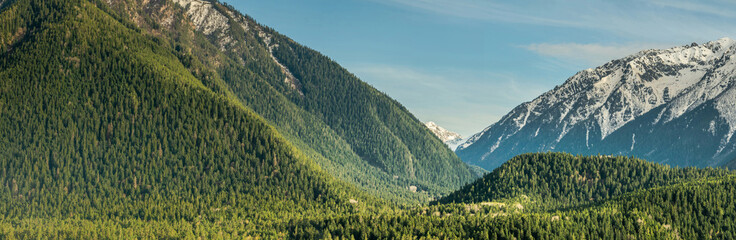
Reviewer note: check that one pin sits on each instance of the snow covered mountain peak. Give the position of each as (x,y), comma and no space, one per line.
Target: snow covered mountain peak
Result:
(595,103)
(452,139)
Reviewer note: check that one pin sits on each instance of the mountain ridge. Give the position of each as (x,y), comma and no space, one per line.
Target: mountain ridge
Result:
(586,114)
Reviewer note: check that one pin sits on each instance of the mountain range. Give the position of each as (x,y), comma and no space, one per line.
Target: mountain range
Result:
(185,119)
(673,106)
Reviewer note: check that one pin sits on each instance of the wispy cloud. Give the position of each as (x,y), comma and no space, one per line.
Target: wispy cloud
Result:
(718,8)
(698,21)
(480,10)
(623,22)
(589,54)
(496,53)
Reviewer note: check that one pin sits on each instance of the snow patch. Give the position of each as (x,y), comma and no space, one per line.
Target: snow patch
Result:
(633,141)
(726,106)
(495,146)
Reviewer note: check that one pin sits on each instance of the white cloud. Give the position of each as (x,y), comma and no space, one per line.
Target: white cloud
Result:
(718,8)
(590,54)
(480,10)
(630,19)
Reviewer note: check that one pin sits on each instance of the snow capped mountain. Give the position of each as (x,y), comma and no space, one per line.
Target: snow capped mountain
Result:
(452,139)
(647,105)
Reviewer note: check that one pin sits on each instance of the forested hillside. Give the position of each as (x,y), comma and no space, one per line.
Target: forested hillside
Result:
(561,179)
(694,210)
(100,123)
(379,129)
(560,196)
(346,126)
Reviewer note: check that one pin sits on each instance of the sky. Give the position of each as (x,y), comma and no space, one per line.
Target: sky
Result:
(464,64)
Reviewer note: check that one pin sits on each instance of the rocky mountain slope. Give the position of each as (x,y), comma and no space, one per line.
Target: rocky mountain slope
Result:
(451,139)
(672,106)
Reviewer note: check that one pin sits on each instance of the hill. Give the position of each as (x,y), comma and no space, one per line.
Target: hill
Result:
(560,196)
(349,128)
(560,179)
(103,125)
(693,210)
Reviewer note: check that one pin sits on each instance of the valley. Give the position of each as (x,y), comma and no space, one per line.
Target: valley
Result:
(187,119)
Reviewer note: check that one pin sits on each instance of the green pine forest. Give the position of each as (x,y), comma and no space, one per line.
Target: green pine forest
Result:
(337,120)
(116,126)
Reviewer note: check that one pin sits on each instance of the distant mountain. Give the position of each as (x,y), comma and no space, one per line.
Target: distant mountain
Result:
(451,139)
(672,106)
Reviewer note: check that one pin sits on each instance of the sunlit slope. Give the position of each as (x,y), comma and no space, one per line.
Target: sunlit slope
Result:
(100,122)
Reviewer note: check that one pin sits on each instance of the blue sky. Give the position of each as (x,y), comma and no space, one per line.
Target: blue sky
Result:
(466,63)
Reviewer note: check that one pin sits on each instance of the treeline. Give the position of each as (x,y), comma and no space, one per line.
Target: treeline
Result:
(560,179)
(560,196)
(695,210)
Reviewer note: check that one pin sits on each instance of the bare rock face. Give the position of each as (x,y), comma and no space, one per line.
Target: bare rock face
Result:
(228,30)
(219,24)
(213,22)
(673,106)
(204,16)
